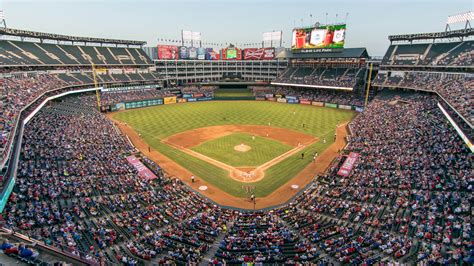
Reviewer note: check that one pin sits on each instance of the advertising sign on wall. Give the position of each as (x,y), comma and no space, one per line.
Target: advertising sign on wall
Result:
(346,107)
(167,52)
(304,101)
(259,53)
(169,100)
(231,53)
(192,53)
(144,103)
(211,54)
(183,52)
(201,53)
(292,101)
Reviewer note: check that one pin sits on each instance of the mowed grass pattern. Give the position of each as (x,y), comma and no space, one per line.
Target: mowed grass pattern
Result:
(156,123)
(262,149)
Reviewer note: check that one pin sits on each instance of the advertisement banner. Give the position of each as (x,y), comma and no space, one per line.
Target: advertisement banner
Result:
(204,99)
(211,54)
(167,52)
(192,53)
(291,97)
(169,100)
(118,107)
(201,53)
(129,70)
(260,98)
(348,164)
(101,71)
(346,107)
(191,100)
(269,95)
(181,100)
(304,101)
(259,53)
(332,105)
(198,95)
(278,95)
(187,96)
(231,53)
(144,103)
(271,99)
(281,100)
(143,171)
(292,101)
(359,109)
(319,37)
(318,104)
(183,52)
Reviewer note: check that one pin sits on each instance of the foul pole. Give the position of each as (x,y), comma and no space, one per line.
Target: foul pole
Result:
(368,84)
(96,84)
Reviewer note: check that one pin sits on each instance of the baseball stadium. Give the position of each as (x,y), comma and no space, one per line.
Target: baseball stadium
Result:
(301,147)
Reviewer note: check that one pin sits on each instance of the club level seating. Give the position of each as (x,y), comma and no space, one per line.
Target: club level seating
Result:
(322,76)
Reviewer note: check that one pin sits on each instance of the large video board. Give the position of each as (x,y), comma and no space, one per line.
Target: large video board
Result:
(318,38)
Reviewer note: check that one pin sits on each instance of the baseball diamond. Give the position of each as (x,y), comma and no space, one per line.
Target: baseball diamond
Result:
(325,141)
(203,142)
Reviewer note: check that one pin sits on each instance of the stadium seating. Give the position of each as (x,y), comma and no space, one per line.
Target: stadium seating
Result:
(111,214)
(17,53)
(322,76)
(430,54)
(456,88)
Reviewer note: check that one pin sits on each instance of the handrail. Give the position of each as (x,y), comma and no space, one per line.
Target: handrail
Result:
(53,249)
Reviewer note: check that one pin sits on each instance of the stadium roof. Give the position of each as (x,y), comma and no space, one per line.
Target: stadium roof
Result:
(59,37)
(432,35)
(345,53)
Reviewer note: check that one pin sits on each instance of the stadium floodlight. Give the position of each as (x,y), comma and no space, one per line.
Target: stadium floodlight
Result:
(3,22)
(272,36)
(191,36)
(460,18)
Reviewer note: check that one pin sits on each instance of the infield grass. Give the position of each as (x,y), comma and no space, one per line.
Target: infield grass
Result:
(156,123)
(262,149)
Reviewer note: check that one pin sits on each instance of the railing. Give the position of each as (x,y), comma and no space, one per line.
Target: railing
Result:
(77,259)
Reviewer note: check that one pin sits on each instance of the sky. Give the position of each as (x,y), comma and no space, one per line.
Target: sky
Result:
(369,22)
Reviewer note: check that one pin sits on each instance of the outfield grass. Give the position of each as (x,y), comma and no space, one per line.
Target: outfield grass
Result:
(156,123)
(262,149)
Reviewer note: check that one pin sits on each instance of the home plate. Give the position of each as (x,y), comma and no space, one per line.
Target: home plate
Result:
(203,188)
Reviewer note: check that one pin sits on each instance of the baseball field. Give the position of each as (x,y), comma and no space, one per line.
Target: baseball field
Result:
(234,145)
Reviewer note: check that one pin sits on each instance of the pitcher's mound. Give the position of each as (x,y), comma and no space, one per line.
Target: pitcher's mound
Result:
(242,148)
